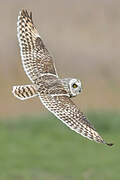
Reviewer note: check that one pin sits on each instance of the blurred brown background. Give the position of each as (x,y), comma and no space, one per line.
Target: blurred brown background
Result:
(84,39)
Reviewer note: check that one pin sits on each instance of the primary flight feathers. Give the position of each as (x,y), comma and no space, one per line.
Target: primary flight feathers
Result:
(54,93)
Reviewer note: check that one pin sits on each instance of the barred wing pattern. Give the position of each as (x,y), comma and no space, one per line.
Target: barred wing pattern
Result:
(40,69)
(35,57)
(65,110)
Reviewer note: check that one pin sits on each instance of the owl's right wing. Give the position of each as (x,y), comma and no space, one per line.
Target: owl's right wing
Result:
(36,59)
(65,110)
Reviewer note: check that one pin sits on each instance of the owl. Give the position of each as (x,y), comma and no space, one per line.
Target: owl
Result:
(54,93)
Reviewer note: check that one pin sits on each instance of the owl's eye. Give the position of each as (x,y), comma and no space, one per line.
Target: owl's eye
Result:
(74,85)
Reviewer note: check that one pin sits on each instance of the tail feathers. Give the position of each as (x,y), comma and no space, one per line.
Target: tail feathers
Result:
(24,92)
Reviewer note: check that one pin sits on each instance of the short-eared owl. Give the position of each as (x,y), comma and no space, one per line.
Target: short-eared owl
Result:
(54,93)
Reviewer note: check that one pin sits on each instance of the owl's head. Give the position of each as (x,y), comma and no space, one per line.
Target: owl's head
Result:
(72,86)
(75,87)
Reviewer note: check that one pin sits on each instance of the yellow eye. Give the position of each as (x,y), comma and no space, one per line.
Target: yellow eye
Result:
(74,85)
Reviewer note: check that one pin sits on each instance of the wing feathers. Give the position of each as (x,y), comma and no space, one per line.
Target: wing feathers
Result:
(35,57)
(39,67)
(65,110)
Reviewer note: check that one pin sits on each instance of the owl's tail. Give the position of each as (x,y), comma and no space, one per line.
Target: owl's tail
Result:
(24,92)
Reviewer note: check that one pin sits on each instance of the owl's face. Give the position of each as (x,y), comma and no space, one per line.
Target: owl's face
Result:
(75,87)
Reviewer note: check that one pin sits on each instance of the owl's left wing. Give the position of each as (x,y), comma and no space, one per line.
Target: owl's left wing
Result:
(65,110)
(36,59)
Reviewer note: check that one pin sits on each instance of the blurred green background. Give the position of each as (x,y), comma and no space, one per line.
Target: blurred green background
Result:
(84,39)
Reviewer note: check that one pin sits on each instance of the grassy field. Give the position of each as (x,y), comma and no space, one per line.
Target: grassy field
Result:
(42,148)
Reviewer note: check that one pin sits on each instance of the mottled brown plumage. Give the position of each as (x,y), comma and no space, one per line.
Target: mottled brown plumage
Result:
(53,92)
(35,57)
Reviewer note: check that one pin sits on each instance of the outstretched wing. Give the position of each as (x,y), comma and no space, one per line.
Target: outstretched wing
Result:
(65,110)
(35,57)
